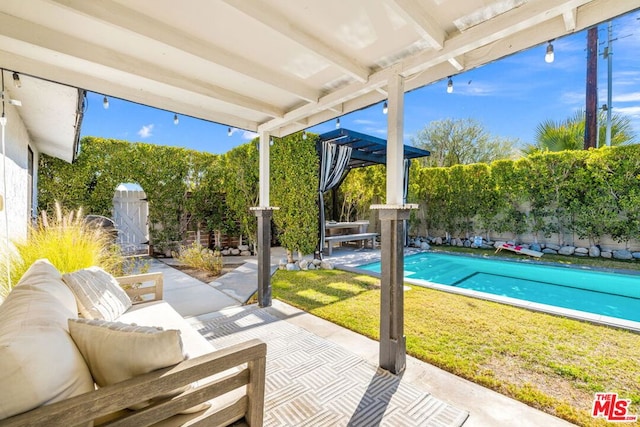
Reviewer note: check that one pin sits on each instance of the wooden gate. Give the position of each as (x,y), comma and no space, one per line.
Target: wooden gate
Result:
(131,215)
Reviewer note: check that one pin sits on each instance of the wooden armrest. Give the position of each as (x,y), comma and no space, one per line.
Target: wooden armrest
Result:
(133,286)
(108,400)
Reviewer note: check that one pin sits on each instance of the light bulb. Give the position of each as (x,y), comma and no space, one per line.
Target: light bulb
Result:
(105,103)
(338,123)
(450,86)
(304,134)
(549,56)
(229,132)
(16,80)
(385,108)
(175,119)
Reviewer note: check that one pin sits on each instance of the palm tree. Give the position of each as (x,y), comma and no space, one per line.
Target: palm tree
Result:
(569,134)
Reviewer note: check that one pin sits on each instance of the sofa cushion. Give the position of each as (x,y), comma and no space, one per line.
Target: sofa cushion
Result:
(98,294)
(39,362)
(161,314)
(115,351)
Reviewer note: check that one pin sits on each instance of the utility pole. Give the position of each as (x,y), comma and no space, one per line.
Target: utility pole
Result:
(608,55)
(591,125)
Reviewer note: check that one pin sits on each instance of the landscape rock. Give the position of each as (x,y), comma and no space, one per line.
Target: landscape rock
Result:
(553,246)
(467,243)
(225,252)
(498,244)
(243,248)
(487,246)
(292,267)
(438,241)
(326,265)
(317,262)
(535,247)
(425,246)
(459,243)
(580,254)
(549,251)
(594,251)
(235,251)
(311,266)
(636,255)
(567,250)
(304,264)
(622,254)
(582,251)
(245,253)
(606,254)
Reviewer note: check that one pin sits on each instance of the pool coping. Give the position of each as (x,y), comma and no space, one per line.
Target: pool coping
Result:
(598,319)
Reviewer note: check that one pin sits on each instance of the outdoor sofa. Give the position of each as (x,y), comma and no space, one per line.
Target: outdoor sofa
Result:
(136,363)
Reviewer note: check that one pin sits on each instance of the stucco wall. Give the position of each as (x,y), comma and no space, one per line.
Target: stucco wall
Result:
(16,209)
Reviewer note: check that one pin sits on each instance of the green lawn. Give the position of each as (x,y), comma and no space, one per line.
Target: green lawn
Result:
(551,363)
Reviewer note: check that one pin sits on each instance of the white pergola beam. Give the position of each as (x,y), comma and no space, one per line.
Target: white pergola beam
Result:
(502,26)
(395,141)
(426,26)
(264,173)
(263,13)
(457,63)
(45,38)
(131,20)
(117,89)
(570,20)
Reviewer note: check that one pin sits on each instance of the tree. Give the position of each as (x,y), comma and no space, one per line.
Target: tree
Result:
(461,141)
(569,134)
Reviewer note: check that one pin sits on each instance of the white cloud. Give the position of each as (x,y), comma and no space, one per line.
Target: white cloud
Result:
(249,135)
(631,111)
(627,97)
(572,98)
(364,122)
(146,131)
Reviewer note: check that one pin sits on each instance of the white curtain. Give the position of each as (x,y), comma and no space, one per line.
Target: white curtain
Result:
(333,162)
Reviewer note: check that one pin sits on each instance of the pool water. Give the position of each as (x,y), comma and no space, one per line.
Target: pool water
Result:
(609,294)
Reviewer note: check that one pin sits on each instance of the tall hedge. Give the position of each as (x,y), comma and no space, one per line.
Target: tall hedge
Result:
(590,194)
(294,186)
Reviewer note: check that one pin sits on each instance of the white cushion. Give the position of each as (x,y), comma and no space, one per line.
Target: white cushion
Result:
(98,294)
(39,362)
(115,351)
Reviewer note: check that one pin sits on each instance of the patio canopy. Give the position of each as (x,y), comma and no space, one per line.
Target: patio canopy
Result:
(340,151)
(276,66)
(367,150)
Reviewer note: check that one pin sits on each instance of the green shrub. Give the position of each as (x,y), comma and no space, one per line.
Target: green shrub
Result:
(67,241)
(199,257)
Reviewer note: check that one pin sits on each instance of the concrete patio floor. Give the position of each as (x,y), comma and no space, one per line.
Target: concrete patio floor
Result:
(199,302)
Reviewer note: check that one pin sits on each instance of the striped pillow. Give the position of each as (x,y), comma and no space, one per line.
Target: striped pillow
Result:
(98,294)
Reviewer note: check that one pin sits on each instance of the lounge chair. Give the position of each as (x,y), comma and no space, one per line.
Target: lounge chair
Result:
(519,250)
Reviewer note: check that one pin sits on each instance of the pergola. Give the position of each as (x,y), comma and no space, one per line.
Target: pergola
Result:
(364,150)
(281,66)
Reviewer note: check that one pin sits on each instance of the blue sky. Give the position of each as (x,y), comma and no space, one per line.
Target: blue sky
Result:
(509,97)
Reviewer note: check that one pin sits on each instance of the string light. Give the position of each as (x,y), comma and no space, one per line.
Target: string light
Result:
(450,85)
(338,123)
(175,119)
(385,108)
(16,80)
(549,55)
(304,134)
(229,132)
(105,103)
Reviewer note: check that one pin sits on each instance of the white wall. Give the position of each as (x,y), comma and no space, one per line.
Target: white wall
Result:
(16,209)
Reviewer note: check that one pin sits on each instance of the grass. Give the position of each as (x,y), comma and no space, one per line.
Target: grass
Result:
(548,362)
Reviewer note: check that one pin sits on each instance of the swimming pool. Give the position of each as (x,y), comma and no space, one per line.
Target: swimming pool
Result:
(601,293)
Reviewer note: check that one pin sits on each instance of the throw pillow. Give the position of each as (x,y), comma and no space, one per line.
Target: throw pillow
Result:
(115,352)
(98,294)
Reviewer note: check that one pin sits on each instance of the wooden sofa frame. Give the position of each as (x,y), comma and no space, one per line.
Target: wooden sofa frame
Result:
(249,356)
